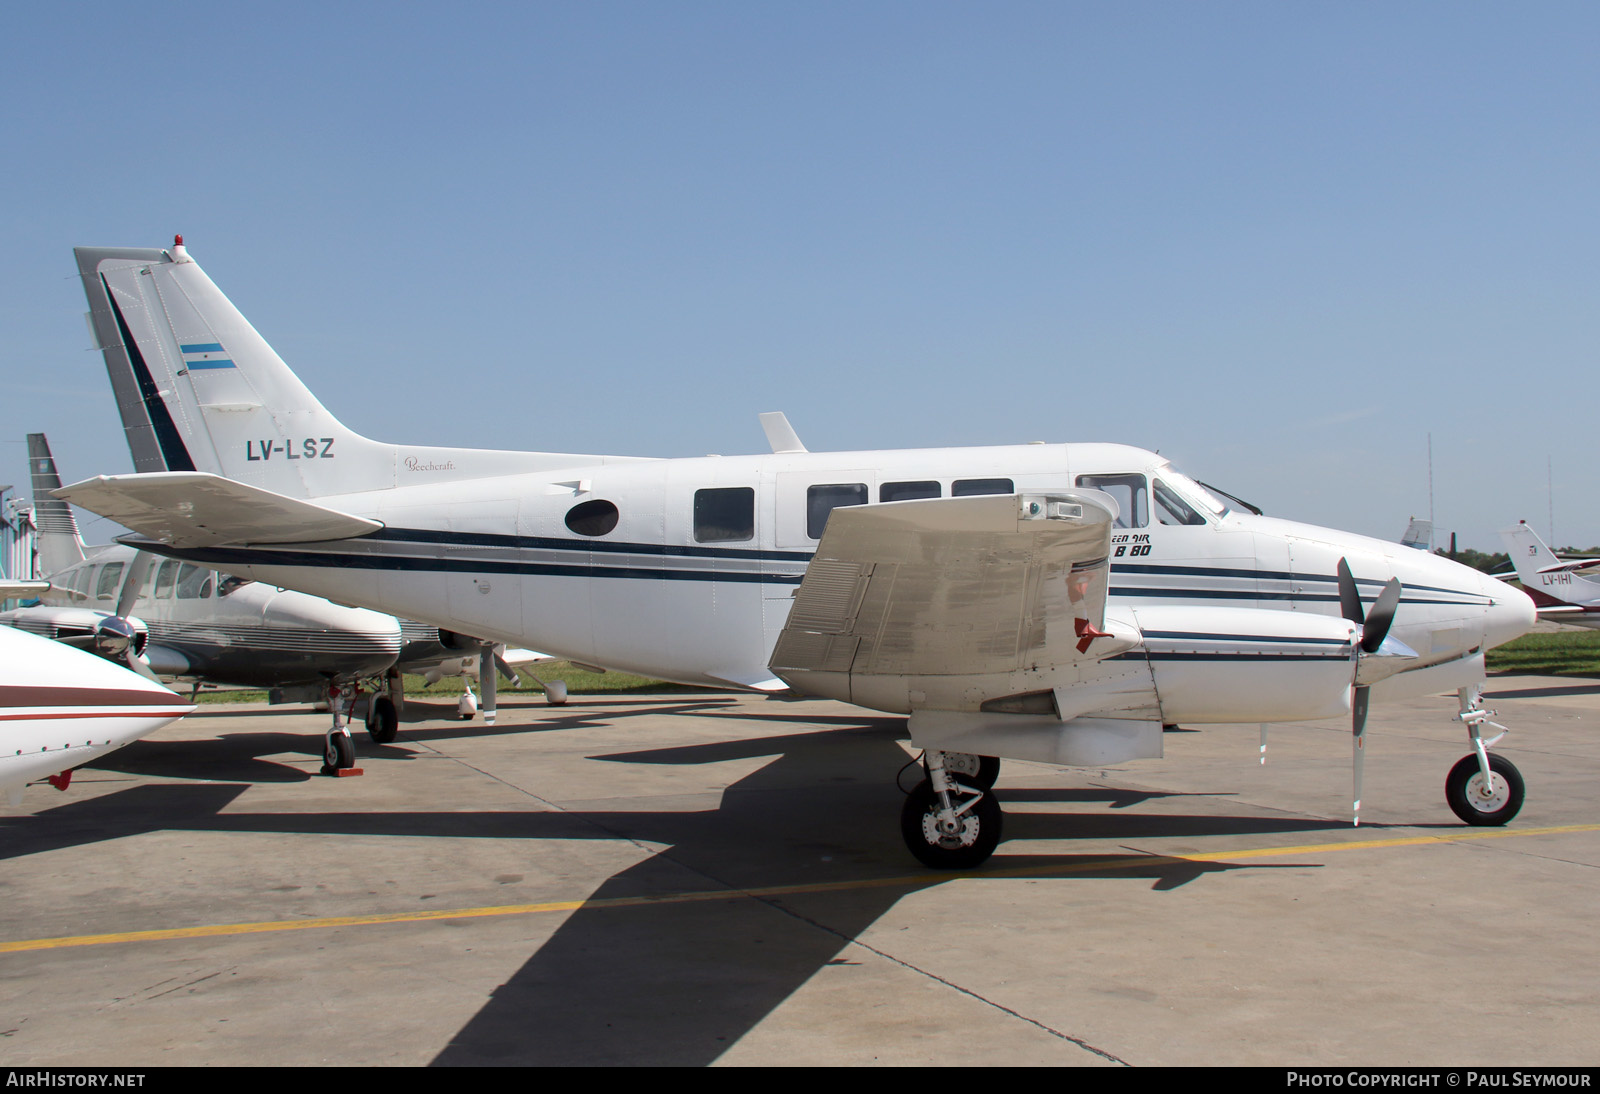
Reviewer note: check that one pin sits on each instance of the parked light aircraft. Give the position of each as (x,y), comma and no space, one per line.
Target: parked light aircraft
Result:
(61,707)
(1559,588)
(1054,602)
(182,621)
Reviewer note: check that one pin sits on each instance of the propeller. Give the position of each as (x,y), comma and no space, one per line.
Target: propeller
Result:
(1377,658)
(126,598)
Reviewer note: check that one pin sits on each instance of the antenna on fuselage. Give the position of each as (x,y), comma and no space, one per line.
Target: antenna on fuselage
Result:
(780,434)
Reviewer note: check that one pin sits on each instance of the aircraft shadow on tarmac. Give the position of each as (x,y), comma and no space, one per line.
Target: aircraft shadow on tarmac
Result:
(680,982)
(1555,691)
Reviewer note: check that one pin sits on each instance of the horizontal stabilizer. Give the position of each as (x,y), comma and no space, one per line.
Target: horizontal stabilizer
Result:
(198,509)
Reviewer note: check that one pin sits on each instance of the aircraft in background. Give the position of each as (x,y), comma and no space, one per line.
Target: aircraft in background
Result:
(1560,590)
(182,621)
(1046,602)
(1419,534)
(61,707)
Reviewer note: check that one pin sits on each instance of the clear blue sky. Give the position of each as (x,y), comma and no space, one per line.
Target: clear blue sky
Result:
(1281,243)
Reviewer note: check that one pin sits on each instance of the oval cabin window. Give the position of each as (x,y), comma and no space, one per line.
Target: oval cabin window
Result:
(592,518)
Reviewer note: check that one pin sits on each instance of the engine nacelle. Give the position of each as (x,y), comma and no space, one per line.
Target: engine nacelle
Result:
(1247,664)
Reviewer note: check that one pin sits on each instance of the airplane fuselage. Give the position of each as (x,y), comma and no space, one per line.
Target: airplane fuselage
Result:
(685,569)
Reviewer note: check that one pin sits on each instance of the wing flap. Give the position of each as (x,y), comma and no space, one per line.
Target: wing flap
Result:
(952,587)
(198,509)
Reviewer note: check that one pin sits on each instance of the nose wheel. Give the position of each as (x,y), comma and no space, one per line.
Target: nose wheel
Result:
(1480,801)
(338,750)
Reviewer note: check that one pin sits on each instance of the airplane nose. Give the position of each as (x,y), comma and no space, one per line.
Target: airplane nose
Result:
(1511,613)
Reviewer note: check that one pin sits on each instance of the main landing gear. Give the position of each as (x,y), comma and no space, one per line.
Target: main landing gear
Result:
(383,711)
(950,820)
(1482,789)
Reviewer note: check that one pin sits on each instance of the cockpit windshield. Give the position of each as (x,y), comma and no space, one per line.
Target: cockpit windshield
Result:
(1193,492)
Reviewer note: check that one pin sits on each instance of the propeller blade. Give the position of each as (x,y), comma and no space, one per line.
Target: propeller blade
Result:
(131,582)
(1378,623)
(487,683)
(142,667)
(1349,598)
(1358,735)
(506,670)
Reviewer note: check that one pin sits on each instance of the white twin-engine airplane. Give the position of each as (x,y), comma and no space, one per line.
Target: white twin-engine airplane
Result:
(1050,602)
(1561,590)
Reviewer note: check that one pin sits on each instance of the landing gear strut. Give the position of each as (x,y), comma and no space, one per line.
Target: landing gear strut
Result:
(947,822)
(338,750)
(1482,789)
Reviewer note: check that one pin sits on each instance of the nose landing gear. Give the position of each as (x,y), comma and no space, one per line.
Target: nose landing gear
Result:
(1482,789)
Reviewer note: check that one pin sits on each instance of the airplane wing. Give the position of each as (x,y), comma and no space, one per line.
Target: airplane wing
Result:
(21,590)
(952,587)
(198,509)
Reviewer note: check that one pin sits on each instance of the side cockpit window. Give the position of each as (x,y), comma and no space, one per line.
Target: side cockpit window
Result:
(1131,494)
(1171,508)
(193,582)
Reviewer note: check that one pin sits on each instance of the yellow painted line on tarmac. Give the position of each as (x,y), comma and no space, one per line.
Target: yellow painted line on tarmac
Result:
(1068,869)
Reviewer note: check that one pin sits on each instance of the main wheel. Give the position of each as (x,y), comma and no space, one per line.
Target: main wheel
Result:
(978,771)
(975,840)
(1484,804)
(383,722)
(338,751)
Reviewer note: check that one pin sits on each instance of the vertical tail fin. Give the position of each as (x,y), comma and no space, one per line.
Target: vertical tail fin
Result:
(200,390)
(60,545)
(1546,577)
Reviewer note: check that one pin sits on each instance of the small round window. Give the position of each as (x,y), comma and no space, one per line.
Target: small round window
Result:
(592,518)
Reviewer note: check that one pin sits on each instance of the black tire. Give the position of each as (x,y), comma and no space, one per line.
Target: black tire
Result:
(338,752)
(1463,785)
(979,837)
(978,771)
(383,723)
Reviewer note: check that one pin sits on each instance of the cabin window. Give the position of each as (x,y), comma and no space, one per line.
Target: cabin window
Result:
(193,582)
(966,488)
(824,499)
(1172,509)
(592,518)
(724,514)
(908,491)
(1131,495)
(166,578)
(106,587)
(80,581)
